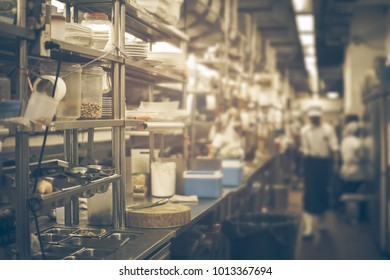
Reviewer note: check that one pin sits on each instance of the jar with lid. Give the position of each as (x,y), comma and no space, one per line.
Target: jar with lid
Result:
(101,30)
(68,108)
(91,92)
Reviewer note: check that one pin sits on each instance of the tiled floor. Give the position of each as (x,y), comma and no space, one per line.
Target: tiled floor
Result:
(340,241)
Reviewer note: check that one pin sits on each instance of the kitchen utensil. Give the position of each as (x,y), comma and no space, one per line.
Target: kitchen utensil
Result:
(148,205)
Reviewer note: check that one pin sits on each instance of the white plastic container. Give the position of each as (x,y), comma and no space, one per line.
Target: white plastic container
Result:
(69,107)
(41,108)
(163,179)
(91,92)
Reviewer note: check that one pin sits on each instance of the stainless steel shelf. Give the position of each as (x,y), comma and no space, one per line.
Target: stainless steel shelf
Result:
(84,124)
(145,26)
(57,198)
(13,31)
(87,53)
(139,21)
(152,75)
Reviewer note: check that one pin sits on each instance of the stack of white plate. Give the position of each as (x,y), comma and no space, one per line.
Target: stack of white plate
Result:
(137,50)
(100,39)
(107,107)
(77,34)
(176,61)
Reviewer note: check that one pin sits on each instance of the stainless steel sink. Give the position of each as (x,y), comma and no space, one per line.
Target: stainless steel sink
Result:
(60,231)
(93,243)
(53,238)
(94,253)
(56,252)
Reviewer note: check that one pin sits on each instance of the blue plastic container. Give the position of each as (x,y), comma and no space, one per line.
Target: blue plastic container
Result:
(203,183)
(9,109)
(232,170)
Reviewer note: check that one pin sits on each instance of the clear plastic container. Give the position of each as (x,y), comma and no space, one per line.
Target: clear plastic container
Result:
(69,107)
(101,30)
(91,92)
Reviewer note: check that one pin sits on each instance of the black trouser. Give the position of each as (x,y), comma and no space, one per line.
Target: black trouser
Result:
(317,173)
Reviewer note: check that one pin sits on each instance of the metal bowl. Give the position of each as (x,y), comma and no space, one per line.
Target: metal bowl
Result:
(102,169)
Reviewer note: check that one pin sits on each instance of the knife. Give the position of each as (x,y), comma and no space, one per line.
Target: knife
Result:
(148,205)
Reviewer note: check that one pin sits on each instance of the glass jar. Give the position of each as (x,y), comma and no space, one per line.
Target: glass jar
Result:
(101,30)
(91,92)
(68,108)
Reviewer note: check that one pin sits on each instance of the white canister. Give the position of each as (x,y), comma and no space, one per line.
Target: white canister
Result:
(163,179)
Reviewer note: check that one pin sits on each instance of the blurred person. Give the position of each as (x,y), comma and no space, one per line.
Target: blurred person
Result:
(319,146)
(352,170)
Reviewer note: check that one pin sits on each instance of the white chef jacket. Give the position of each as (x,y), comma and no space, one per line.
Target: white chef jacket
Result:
(318,141)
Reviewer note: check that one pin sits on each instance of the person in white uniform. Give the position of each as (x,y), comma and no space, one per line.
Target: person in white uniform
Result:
(319,147)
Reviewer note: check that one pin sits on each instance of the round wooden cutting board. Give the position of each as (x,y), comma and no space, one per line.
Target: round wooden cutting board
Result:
(162,216)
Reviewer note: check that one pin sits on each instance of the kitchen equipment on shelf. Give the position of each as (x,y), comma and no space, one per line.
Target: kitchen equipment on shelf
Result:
(163,179)
(70,106)
(106,107)
(41,108)
(91,92)
(100,208)
(77,34)
(101,30)
(137,50)
(58,27)
(45,83)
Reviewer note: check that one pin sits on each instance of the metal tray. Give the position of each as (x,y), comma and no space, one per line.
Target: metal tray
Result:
(90,232)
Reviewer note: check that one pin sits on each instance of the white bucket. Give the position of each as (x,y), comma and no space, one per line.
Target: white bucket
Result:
(163,179)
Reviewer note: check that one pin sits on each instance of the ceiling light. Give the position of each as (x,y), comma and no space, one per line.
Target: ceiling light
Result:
(305,23)
(309,51)
(306,39)
(302,6)
(332,95)
(310,60)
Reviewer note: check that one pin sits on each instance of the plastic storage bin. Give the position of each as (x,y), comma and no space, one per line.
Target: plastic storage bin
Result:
(101,30)
(232,172)
(91,92)
(69,107)
(203,183)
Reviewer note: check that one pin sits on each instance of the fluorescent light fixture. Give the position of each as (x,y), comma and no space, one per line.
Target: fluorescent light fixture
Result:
(332,94)
(302,6)
(309,51)
(307,39)
(310,60)
(305,23)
